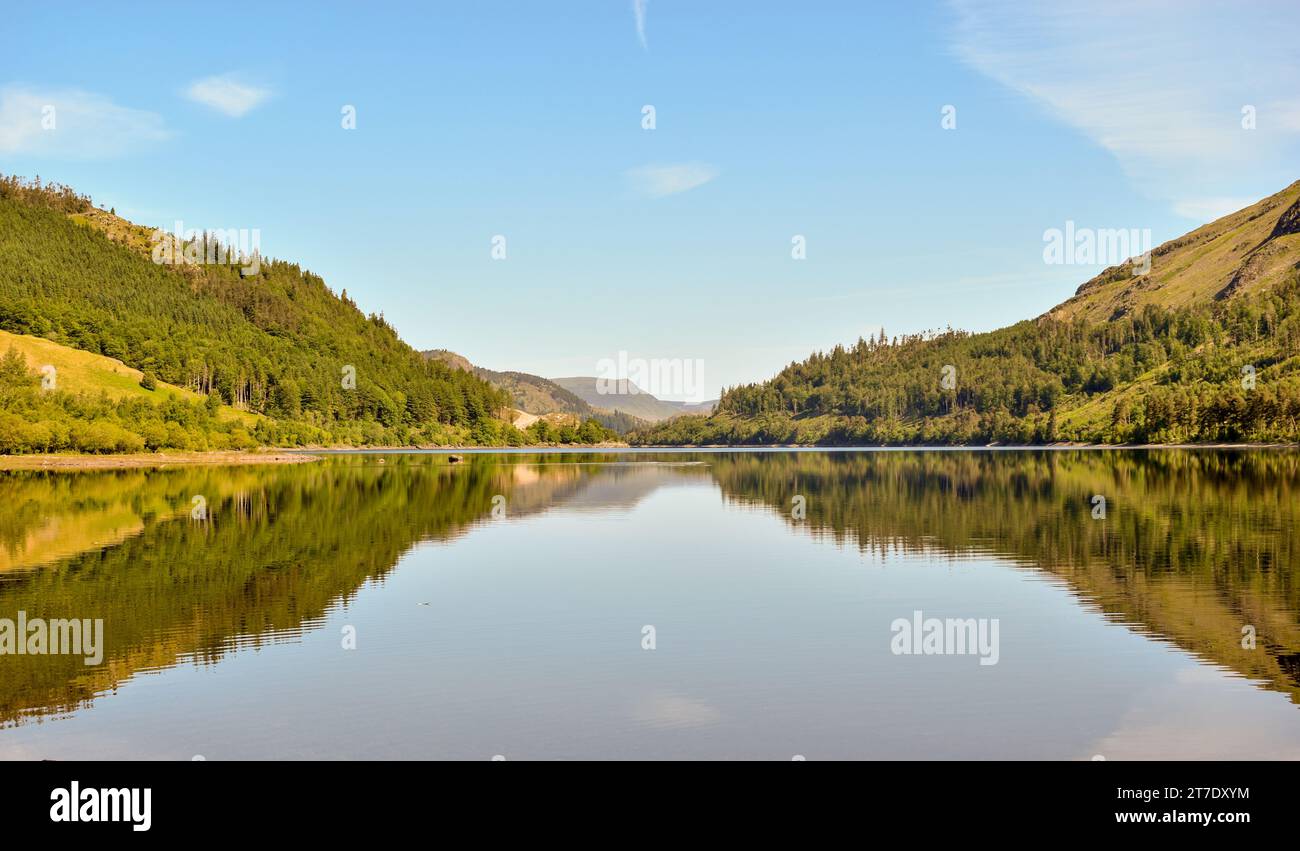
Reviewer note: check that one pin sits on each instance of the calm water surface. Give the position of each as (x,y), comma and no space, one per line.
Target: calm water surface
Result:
(499,606)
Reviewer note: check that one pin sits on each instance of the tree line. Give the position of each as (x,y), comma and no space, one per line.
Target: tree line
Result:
(1224,371)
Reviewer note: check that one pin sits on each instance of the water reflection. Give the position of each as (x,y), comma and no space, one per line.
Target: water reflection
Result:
(1195,545)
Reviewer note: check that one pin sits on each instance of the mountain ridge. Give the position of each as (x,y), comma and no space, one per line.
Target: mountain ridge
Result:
(1204,347)
(1234,253)
(628,398)
(538,397)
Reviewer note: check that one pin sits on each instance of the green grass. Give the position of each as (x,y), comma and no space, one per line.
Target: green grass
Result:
(77,371)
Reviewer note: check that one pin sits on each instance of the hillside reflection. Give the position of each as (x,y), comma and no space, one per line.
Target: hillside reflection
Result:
(1194,546)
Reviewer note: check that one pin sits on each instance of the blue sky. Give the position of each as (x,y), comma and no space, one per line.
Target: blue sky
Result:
(524,119)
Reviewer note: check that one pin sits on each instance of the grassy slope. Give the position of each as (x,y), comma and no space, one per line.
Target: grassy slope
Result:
(1229,256)
(78,371)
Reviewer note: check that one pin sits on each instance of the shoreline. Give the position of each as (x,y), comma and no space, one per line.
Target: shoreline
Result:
(461,448)
(146,460)
(937,447)
(230,457)
(307,455)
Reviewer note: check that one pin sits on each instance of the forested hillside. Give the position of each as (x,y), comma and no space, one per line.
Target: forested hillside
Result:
(275,342)
(1205,347)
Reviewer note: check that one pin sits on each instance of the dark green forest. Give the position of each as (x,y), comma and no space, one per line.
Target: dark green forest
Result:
(277,343)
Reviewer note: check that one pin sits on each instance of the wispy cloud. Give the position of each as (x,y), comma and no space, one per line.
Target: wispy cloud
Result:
(656,181)
(638,9)
(72,124)
(1161,84)
(228,94)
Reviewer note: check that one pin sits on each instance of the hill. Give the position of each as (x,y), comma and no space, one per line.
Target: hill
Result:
(1203,347)
(530,393)
(83,372)
(539,396)
(1247,252)
(450,358)
(262,336)
(697,407)
(629,400)
(93,403)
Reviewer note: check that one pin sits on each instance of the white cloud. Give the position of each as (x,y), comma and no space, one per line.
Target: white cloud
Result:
(227,94)
(656,181)
(638,9)
(1160,84)
(72,124)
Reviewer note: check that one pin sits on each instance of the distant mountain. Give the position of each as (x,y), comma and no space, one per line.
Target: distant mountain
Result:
(697,407)
(1201,345)
(629,400)
(539,396)
(531,393)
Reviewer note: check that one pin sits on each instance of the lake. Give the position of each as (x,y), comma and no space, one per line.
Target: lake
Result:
(982,604)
